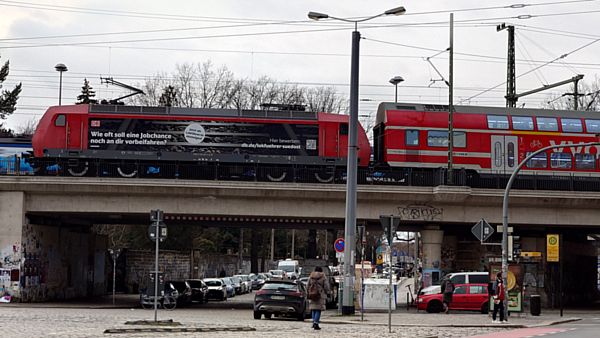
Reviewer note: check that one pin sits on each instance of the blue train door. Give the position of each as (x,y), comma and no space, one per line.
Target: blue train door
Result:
(504,154)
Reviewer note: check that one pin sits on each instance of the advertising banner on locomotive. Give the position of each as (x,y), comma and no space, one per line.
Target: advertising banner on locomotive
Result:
(203,137)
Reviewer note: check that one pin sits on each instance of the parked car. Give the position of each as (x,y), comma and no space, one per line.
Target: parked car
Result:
(281,298)
(277,274)
(261,278)
(229,286)
(472,297)
(308,266)
(183,291)
(216,288)
(199,290)
(247,282)
(238,285)
(458,278)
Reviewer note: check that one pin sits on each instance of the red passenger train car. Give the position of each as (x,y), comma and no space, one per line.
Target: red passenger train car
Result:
(128,137)
(487,140)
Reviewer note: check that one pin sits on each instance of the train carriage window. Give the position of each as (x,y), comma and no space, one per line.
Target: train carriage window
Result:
(547,123)
(522,122)
(560,160)
(60,121)
(438,138)
(592,126)
(571,125)
(510,154)
(585,161)
(412,137)
(497,122)
(498,154)
(538,161)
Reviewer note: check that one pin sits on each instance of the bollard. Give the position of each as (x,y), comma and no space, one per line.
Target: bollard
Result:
(407,303)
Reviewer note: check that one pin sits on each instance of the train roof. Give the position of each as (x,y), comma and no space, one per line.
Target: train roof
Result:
(176,111)
(424,107)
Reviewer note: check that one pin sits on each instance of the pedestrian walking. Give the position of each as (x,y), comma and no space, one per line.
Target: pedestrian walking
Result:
(447,291)
(498,298)
(318,288)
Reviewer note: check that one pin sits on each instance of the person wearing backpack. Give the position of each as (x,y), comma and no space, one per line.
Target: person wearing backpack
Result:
(447,291)
(318,287)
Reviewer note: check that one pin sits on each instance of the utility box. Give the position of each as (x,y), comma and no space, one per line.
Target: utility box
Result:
(376,296)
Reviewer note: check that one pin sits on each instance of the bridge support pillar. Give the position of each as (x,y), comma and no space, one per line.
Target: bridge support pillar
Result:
(431,237)
(12,219)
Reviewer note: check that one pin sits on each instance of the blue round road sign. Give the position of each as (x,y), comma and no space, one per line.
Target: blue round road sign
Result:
(339,245)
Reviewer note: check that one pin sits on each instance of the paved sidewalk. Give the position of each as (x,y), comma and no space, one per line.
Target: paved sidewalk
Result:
(456,319)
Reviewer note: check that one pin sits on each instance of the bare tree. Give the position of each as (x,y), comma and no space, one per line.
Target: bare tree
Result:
(115,233)
(203,85)
(590,100)
(28,128)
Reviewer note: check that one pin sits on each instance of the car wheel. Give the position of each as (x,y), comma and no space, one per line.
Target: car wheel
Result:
(268,315)
(434,306)
(485,308)
(257,314)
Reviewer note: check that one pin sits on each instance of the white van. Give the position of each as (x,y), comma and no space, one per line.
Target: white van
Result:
(291,268)
(458,278)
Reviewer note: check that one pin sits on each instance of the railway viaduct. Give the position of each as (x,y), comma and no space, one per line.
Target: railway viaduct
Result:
(43,222)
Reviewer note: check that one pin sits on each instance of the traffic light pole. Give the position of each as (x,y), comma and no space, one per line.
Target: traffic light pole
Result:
(156,216)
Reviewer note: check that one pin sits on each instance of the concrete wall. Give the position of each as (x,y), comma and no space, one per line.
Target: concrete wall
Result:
(61,263)
(175,265)
(12,216)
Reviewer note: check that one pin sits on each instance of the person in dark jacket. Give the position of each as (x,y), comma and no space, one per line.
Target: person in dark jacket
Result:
(498,298)
(447,291)
(317,278)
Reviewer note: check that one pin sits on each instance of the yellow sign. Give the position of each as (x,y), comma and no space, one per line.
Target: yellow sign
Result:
(552,248)
(531,254)
(379,258)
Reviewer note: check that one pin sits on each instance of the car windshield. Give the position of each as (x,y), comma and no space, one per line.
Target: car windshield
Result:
(227,281)
(280,286)
(195,283)
(276,272)
(178,285)
(287,268)
(213,283)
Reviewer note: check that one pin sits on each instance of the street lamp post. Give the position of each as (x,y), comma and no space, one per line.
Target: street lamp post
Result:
(513,176)
(395,81)
(61,68)
(352,167)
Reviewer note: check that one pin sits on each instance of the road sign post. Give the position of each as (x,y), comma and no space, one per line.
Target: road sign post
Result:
(390,224)
(157,232)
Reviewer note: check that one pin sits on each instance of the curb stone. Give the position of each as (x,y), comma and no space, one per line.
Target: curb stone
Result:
(179,330)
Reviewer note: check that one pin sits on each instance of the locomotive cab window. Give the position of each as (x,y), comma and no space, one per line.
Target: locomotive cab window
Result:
(592,126)
(547,124)
(571,125)
(438,138)
(344,129)
(60,121)
(522,122)
(412,137)
(538,161)
(497,122)
(585,161)
(560,160)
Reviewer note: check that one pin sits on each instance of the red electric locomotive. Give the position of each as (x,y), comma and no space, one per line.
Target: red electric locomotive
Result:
(182,142)
(487,140)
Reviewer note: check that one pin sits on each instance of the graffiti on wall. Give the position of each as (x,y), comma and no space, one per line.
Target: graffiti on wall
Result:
(10,256)
(420,212)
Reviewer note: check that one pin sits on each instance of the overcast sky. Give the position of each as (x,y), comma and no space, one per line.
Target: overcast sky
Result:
(132,40)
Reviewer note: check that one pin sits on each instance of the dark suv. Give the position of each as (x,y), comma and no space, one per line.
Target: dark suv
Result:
(183,291)
(199,290)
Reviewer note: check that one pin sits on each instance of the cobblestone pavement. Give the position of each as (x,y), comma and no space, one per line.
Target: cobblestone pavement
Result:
(83,322)
(91,319)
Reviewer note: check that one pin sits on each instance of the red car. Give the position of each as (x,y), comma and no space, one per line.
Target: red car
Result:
(472,297)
